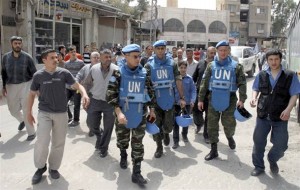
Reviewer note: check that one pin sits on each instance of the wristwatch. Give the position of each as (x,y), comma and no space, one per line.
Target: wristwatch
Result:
(182,98)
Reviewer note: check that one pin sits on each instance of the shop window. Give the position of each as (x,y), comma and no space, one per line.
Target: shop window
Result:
(62,34)
(43,37)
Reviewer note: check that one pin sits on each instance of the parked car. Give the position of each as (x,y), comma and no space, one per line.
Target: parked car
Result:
(246,57)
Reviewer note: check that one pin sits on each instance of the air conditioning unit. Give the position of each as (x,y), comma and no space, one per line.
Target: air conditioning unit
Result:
(20,13)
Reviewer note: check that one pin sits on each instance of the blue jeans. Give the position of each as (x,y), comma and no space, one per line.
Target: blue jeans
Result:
(279,139)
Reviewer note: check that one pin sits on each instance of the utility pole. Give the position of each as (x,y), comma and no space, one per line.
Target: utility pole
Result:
(153,25)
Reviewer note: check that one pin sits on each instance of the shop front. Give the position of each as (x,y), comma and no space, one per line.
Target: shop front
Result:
(59,22)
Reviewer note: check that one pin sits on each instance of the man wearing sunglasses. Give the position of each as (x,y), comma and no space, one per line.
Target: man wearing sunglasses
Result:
(165,78)
(130,91)
(17,71)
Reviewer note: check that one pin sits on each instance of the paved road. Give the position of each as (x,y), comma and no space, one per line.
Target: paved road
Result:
(183,168)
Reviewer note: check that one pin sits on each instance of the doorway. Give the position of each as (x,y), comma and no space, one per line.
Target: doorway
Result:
(76,34)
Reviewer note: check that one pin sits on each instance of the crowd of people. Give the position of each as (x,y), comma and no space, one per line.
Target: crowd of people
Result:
(132,93)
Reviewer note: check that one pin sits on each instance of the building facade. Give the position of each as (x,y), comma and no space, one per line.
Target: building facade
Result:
(191,27)
(250,20)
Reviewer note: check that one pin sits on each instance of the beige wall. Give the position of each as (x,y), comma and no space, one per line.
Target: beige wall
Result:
(186,16)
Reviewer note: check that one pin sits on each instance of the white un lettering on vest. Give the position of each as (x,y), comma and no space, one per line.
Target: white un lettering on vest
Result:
(134,86)
(162,74)
(223,74)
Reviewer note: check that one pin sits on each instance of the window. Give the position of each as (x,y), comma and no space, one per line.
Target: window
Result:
(196,26)
(232,8)
(260,10)
(173,25)
(260,28)
(244,15)
(217,27)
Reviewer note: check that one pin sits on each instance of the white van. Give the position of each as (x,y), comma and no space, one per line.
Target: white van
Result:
(246,57)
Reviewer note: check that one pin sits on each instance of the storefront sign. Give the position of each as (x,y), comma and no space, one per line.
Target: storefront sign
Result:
(65,8)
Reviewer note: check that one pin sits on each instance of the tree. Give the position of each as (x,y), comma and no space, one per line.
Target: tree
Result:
(282,15)
(136,11)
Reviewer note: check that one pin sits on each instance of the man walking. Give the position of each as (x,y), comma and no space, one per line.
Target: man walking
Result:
(49,84)
(197,77)
(73,65)
(17,72)
(222,78)
(130,91)
(83,74)
(165,78)
(96,84)
(278,91)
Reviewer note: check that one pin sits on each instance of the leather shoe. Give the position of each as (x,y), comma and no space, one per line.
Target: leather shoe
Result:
(256,172)
(91,133)
(21,126)
(31,137)
(54,174)
(176,145)
(158,153)
(103,153)
(37,177)
(273,167)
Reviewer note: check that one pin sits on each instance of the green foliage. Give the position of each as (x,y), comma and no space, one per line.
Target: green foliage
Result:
(123,5)
(282,14)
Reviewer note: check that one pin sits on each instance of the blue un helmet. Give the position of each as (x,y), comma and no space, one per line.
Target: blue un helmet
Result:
(241,114)
(184,120)
(152,128)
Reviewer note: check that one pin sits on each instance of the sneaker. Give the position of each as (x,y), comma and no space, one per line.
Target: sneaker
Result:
(74,124)
(21,126)
(31,137)
(37,177)
(54,174)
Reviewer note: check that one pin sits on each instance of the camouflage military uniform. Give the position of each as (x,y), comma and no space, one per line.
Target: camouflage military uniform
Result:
(227,116)
(164,118)
(123,133)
